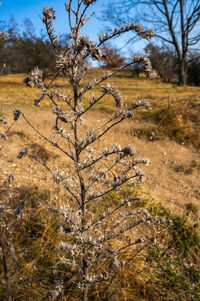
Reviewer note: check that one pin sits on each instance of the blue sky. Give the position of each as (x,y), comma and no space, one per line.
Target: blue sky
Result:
(21,9)
(32,9)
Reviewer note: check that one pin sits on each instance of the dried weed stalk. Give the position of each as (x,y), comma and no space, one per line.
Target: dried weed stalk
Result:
(92,227)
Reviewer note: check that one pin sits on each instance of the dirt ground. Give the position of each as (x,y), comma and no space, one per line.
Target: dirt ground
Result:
(163,183)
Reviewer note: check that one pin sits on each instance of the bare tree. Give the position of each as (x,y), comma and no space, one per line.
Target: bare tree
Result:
(163,61)
(175,22)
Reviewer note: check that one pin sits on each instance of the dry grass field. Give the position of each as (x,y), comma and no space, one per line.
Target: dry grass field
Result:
(169,136)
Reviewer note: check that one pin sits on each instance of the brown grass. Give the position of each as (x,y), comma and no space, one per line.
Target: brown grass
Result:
(175,116)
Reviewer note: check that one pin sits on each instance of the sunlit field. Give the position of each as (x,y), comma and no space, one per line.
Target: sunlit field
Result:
(133,88)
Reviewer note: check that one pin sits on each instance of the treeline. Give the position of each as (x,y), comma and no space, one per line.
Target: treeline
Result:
(163,60)
(23,50)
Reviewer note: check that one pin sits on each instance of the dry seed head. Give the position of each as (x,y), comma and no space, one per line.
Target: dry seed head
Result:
(22,153)
(88,2)
(3,135)
(3,35)
(49,13)
(141,103)
(110,89)
(16,113)
(3,120)
(147,65)
(129,150)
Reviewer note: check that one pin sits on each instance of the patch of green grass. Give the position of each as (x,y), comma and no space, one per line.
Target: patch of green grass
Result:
(174,263)
(172,269)
(185,237)
(190,207)
(188,169)
(194,165)
(178,121)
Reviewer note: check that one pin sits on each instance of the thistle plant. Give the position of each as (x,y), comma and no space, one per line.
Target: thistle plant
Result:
(91,226)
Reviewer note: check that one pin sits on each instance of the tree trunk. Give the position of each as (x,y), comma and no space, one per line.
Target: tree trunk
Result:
(182,74)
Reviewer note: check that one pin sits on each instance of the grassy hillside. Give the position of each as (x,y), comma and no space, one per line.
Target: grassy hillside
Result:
(175,113)
(165,267)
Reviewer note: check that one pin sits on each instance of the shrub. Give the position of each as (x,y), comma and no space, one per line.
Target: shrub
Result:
(194,72)
(112,58)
